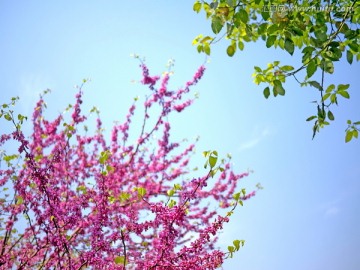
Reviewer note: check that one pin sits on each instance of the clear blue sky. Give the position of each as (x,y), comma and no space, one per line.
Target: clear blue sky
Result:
(308,215)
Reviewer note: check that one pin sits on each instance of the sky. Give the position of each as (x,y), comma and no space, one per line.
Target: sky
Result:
(308,214)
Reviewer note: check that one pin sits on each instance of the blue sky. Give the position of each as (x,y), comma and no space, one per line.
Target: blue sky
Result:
(308,215)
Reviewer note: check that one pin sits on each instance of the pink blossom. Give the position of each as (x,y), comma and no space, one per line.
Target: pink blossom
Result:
(87,201)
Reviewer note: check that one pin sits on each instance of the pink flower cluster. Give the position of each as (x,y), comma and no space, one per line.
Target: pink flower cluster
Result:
(80,201)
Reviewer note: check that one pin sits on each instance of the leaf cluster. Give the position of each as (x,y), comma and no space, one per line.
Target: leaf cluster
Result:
(323,32)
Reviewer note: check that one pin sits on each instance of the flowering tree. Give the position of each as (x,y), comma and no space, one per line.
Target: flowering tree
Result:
(73,200)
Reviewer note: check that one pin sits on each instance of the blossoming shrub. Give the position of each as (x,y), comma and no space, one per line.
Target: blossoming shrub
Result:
(73,200)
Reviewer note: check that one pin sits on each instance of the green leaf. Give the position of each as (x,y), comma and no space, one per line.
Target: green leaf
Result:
(230,50)
(262,28)
(216,25)
(236,196)
(213,172)
(240,45)
(205,153)
(330,115)
(258,69)
(327,66)
(236,244)
(8,117)
(287,68)
(172,203)
(265,15)
(8,158)
(212,161)
(104,156)
(344,94)
(243,15)
(308,50)
(207,48)
(170,192)
(306,56)
(120,260)
(315,129)
(343,87)
(206,39)
(333,98)
(334,44)
(289,46)
(311,118)
(321,113)
(297,31)
(315,84)
(326,96)
(230,2)
(197,7)
(112,199)
(349,57)
(81,188)
(266,92)
(349,135)
(272,29)
(357,123)
(124,196)
(110,168)
(354,46)
(330,88)
(19,200)
(141,191)
(321,35)
(278,87)
(311,68)
(355,133)
(270,41)
(334,54)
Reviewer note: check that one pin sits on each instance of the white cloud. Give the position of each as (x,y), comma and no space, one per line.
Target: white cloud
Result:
(249,144)
(330,208)
(332,211)
(258,136)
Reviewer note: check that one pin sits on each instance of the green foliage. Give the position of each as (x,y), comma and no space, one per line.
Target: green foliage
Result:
(69,130)
(8,114)
(236,247)
(82,189)
(124,196)
(171,192)
(141,192)
(19,200)
(9,158)
(352,130)
(120,260)
(329,97)
(212,157)
(104,156)
(323,32)
(238,196)
(211,160)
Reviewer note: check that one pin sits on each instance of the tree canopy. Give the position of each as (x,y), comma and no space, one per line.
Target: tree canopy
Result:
(73,199)
(323,31)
